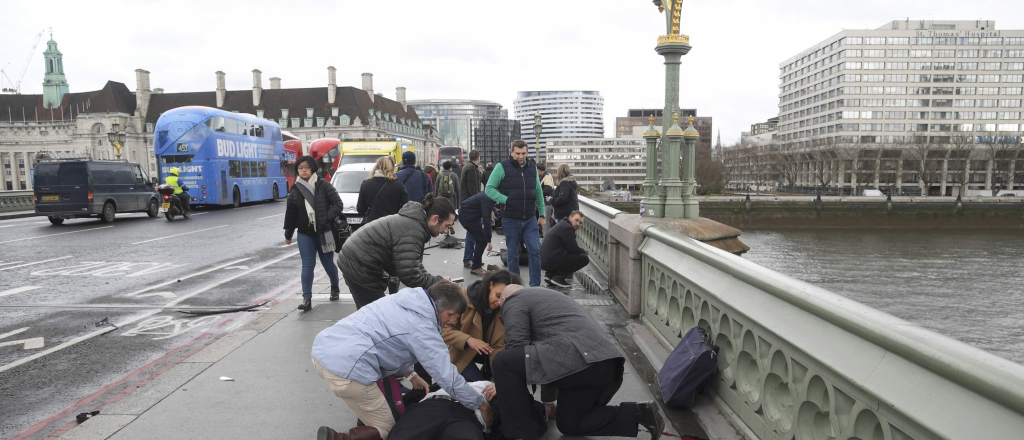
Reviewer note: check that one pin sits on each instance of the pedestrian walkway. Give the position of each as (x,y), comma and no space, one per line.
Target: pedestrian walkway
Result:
(6,215)
(273,391)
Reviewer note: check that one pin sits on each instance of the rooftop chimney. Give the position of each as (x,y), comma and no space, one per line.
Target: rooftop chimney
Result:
(141,93)
(275,83)
(368,84)
(400,97)
(221,89)
(257,87)
(158,91)
(332,84)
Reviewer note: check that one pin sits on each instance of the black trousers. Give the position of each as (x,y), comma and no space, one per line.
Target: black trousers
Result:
(438,419)
(582,400)
(567,265)
(363,295)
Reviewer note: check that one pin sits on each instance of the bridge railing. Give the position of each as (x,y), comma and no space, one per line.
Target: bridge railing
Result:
(16,201)
(593,233)
(800,362)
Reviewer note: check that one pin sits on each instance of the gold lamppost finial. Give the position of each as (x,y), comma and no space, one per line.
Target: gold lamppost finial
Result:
(675,118)
(651,119)
(691,120)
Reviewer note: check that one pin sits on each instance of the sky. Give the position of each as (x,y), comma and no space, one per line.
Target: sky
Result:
(456,48)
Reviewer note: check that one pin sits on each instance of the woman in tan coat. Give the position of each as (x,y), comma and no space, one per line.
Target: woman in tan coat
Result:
(479,333)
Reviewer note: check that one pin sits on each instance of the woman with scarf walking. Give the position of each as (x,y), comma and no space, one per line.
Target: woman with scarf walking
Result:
(312,204)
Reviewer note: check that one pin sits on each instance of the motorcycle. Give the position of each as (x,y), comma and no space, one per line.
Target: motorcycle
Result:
(171,205)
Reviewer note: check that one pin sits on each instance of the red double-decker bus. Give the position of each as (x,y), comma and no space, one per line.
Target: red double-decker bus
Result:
(292,151)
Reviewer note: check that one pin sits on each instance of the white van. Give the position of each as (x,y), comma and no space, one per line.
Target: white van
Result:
(347,180)
(872,193)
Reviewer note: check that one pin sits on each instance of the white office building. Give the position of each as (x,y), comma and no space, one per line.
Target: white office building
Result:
(907,82)
(593,160)
(564,114)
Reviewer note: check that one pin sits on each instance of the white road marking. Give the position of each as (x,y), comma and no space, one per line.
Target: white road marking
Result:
(11,262)
(167,295)
(179,235)
(27,344)
(236,267)
(7,226)
(37,262)
(199,213)
(131,320)
(261,218)
(42,223)
(294,242)
(147,289)
(54,235)
(17,290)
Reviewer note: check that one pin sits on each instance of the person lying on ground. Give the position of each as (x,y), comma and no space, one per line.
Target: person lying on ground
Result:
(387,337)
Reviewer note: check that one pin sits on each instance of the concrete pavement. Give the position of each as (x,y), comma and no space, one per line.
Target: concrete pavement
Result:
(275,393)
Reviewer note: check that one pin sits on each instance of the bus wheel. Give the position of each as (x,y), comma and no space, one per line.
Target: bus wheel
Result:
(108,213)
(236,198)
(276,195)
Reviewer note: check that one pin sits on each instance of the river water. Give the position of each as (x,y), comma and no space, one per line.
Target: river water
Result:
(966,284)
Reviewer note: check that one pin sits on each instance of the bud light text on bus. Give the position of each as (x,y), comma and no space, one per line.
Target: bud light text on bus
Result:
(223,157)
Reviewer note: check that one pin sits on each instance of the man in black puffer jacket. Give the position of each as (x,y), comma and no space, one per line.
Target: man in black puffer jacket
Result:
(393,245)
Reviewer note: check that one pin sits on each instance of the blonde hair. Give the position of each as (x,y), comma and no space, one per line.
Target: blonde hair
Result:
(385,166)
(563,172)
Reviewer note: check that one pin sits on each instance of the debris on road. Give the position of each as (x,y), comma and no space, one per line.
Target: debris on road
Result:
(226,379)
(86,416)
(232,310)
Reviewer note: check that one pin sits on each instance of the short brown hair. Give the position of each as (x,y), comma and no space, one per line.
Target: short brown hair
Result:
(519,143)
(579,213)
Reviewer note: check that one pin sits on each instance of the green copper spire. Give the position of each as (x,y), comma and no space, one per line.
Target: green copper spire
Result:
(54,83)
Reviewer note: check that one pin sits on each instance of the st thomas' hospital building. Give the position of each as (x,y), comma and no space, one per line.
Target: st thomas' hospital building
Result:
(863,108)
(66,122)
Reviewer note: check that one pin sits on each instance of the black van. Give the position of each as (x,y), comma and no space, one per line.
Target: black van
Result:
(86,188)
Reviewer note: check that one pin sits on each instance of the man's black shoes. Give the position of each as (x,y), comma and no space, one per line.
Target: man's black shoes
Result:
(559,281)
(307,303)
(335,293)
(648,416)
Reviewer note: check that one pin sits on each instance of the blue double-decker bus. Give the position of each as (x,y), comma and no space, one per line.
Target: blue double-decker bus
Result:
(223,157)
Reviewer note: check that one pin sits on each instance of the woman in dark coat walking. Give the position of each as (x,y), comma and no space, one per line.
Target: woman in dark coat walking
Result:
(312,204)
(565,199)
(381,195)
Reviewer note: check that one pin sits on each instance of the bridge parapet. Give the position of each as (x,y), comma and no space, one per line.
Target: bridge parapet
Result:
(16,201)
(800,362)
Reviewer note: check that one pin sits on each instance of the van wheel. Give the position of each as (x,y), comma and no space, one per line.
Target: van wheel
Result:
(56,220)
(154,209)
(108,213)
(276,195)
(236,198)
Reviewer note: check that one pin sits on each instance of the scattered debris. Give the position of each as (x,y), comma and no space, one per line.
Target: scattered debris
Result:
(226,379)
(106,321)
(232,310)
(86,416)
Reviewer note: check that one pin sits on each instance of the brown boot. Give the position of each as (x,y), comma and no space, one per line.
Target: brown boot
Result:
(363,433)
(325,433)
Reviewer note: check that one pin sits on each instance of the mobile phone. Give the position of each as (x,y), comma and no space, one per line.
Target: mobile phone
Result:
(458,280)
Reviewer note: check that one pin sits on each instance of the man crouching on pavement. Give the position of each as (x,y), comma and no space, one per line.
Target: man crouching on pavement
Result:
(388,337)
(551,340)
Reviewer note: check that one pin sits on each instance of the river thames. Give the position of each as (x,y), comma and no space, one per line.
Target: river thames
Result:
(966,284)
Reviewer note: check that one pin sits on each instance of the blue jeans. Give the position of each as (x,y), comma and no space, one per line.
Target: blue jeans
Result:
(472,373)
(467,255)
(309,249)
(527,231)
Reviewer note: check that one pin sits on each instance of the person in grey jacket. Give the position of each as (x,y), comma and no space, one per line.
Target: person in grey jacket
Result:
(388,338)
(446,174)
(393,245)
(551,340)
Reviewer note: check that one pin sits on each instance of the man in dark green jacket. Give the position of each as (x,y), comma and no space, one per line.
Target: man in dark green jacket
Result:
(515,184)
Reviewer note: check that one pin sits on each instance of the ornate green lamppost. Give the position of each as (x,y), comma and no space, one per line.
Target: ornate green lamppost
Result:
(652,204)
(116,137)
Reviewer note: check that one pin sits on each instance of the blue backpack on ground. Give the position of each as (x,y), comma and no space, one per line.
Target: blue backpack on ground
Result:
(689,369)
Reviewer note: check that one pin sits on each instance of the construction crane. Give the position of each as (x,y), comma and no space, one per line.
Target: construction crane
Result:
(15,86)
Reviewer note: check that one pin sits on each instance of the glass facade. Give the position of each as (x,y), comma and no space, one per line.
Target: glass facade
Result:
(470,124)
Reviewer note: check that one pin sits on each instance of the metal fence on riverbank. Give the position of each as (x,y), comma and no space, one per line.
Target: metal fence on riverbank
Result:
(799,362)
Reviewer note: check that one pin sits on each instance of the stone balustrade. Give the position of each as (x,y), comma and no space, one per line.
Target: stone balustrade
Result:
(797,361)
(16,201)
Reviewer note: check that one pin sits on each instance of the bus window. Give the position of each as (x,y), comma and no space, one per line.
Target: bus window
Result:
(254,169)
(215,123)
(245,169)
(235,169)
(259,131)
(230,126)
(179,158)
(262,168)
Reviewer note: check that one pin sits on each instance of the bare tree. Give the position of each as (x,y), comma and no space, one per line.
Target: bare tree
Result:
(822,156)
(731,163)
(890,167)
(862,163)
(786,166)
(925,160)
(1001,152)
(961,146)
(759,165)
